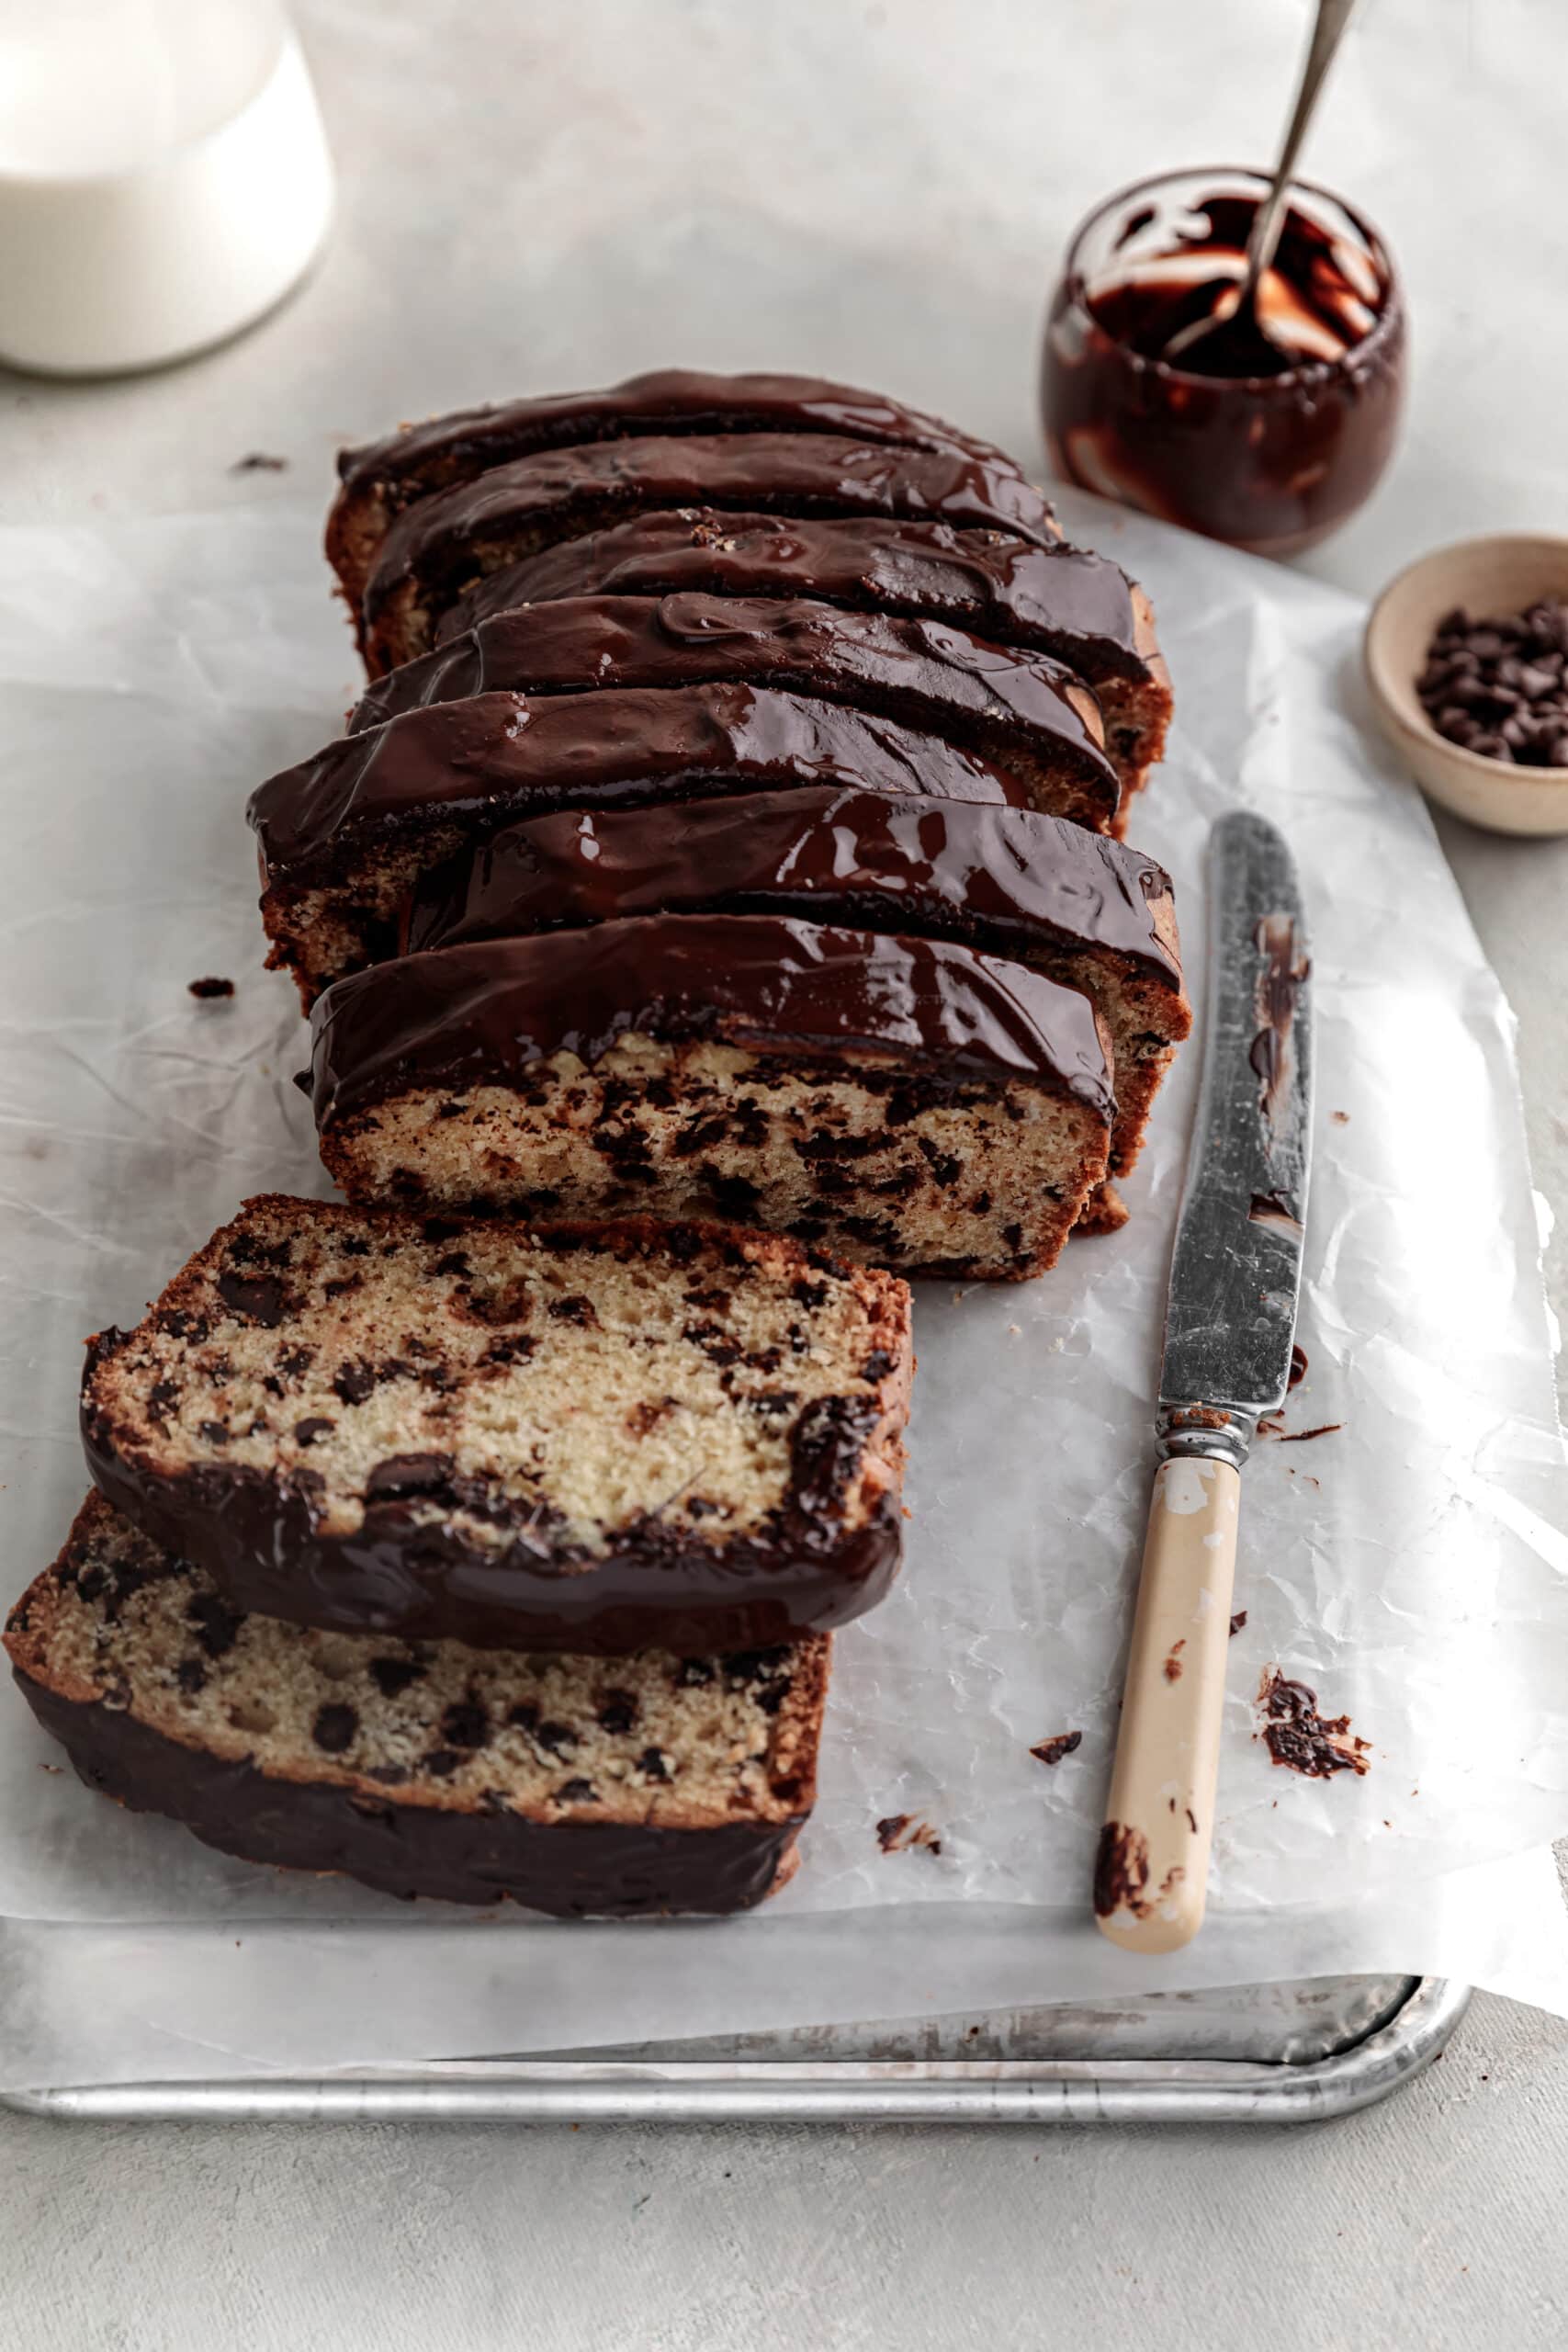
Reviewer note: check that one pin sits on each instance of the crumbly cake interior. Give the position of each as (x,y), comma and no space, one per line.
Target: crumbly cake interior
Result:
(860,1158)
(568,1394)
(654,1739)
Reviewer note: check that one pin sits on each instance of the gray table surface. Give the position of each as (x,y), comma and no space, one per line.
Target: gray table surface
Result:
(543,194)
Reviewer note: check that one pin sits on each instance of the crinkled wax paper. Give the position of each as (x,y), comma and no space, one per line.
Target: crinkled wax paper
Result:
(1407,1564)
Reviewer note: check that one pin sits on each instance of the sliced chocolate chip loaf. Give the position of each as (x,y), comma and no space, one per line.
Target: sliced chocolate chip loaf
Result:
(596,1439)
(343,836)
(909,1102)
(577,1786)
(1089,911)
(1063,601)
(1020,711)
(440,546)
(379,481)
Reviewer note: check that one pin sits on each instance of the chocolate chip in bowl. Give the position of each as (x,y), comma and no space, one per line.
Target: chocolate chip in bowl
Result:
(1467,662)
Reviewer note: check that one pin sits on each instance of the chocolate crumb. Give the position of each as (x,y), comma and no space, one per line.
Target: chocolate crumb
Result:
(1237,1622)
(258,461)
(1173,1661)
(212,985)
(898,1833)
(1299,1737)
(1051,1751)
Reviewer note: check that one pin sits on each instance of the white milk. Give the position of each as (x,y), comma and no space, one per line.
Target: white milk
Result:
(164,177)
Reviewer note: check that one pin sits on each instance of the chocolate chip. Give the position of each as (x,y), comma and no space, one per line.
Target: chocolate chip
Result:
(877,1365)
(577,1792)
(259,1297)
(313,1426)
(214,1432)
(617,1710)
(443,1762)
(573,1310)
(693,1671)
(215,1624)
(466,1723)
(655,1763)
(160,1396)
(392,1676)
(354,1382)
(408,1473)
(334,1728)
(557,1737)
(191,1675)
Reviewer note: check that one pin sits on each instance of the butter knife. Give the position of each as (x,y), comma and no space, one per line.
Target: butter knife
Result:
(1230,1326)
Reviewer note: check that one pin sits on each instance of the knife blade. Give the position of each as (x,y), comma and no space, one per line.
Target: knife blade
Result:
(1230,1329)
(1237,1268)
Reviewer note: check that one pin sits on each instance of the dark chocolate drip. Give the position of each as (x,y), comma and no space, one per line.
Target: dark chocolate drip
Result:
(499,754)
(485,1014)
(442,542)
(1062,600)
(666,400)
(994,697)
(573,1869)
(1009,880)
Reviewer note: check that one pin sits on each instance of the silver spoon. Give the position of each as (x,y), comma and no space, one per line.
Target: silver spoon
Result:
(1239,332)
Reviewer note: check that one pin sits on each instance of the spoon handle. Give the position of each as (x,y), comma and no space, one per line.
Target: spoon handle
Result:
(1333,16)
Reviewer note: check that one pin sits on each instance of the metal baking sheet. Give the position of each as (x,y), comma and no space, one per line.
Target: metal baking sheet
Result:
(1272,2054)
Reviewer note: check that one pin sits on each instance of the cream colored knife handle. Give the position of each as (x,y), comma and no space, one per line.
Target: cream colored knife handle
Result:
(1151,1879)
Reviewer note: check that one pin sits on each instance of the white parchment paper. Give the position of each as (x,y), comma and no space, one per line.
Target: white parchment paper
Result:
(1410,1564)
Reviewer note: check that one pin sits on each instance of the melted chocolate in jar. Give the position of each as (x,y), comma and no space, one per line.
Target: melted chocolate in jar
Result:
(1266,438)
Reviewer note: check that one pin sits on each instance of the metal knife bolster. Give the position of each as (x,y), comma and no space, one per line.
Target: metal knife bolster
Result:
(1237,1268)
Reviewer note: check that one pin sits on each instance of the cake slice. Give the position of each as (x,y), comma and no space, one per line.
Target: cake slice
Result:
(594,1439)
(1078,607)
(1089,911)
(343,837)
(904,1102)
(386,476)
(574,1785)
(437,548)
(1022,711)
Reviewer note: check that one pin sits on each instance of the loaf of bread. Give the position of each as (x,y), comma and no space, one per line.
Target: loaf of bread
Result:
(909,1103)
(382,478)
(440,546)
(589,1440)
(1063,601)
(1089,911)
(343,837)
(1019,711)
(573,1785)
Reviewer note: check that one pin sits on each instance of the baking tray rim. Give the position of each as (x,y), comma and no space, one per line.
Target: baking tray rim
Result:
(622,2090)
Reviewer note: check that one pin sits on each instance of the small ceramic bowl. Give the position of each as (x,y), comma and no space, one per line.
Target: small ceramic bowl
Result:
(1489,578)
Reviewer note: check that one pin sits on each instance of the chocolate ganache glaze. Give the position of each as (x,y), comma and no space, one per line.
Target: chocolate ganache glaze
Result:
(1008,880)
(503,752)
(482,1014)
(576,1870)
(1020,710)
(421,458)
(1063,600)
(438,547)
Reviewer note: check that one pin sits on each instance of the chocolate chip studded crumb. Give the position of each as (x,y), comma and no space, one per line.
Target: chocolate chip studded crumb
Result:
(1500,687)
(900,1833)
(212,985)
(1299,1737)
(1051,1751)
